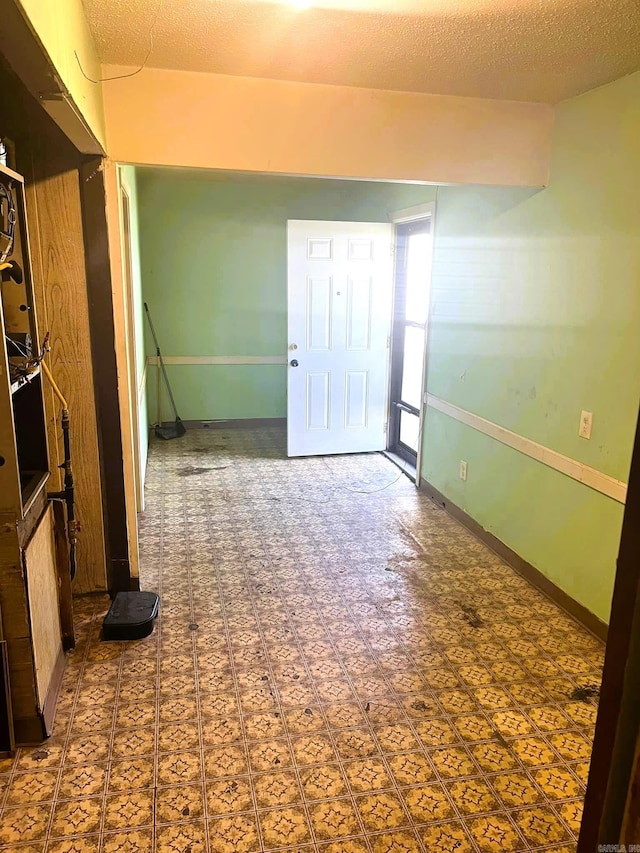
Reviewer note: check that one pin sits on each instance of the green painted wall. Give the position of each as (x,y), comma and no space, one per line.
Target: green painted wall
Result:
(128,178)
(535,316)
(535,311)
(214,271)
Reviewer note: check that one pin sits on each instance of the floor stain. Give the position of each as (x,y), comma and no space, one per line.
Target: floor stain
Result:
(471,615)
(193,470)
(585,693)
(407,728)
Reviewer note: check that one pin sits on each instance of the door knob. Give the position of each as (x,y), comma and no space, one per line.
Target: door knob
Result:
(294,362)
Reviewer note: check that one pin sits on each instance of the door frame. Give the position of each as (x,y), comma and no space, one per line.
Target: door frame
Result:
(612,784)
(416,213)
(124,204)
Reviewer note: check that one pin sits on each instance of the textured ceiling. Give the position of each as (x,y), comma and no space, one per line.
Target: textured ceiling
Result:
(532,50)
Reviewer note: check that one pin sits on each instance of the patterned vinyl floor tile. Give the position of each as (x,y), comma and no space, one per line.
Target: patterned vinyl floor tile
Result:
(338,667)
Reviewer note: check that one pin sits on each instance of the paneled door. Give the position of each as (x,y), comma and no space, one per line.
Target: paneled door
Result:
(340,284)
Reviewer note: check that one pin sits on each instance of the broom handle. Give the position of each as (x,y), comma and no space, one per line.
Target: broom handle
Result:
(161,362)
(166,382)
(158,388)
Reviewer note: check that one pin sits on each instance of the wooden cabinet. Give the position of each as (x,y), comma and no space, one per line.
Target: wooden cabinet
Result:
(29,570)
(32,635)
(68,282)
(24,459)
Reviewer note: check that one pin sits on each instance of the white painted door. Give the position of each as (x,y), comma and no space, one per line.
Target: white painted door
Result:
(339,317)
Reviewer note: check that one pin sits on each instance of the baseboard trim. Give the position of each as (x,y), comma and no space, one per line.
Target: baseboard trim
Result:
(231,423)
(51,699)
(529,572)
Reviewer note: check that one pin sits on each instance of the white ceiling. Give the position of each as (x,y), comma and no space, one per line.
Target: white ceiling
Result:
(531,50)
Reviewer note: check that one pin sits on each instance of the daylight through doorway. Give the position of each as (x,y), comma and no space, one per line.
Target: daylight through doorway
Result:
(408,340)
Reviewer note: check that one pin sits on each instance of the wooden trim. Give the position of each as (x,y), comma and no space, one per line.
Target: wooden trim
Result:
(7,736)
(24,51)
(133,422)
(219,359)
(122,309)
(589,620)
(66,114)
(65,599)
(618,721)
(231,423)
(596,480)
(51,699)
(32,518)
(36,496)
(631,822)
(105,372)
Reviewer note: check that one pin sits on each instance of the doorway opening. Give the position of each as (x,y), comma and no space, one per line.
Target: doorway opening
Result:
(409,339)
(129,320)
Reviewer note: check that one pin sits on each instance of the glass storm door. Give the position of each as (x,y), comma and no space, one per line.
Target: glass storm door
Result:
(411,309)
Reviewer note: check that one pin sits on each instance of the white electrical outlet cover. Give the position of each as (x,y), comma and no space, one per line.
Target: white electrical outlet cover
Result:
(586,423)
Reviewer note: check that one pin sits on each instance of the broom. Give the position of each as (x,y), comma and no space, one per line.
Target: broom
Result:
(178,428)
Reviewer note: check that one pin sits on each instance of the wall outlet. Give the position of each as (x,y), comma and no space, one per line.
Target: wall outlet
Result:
(463,470)
(586,422)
